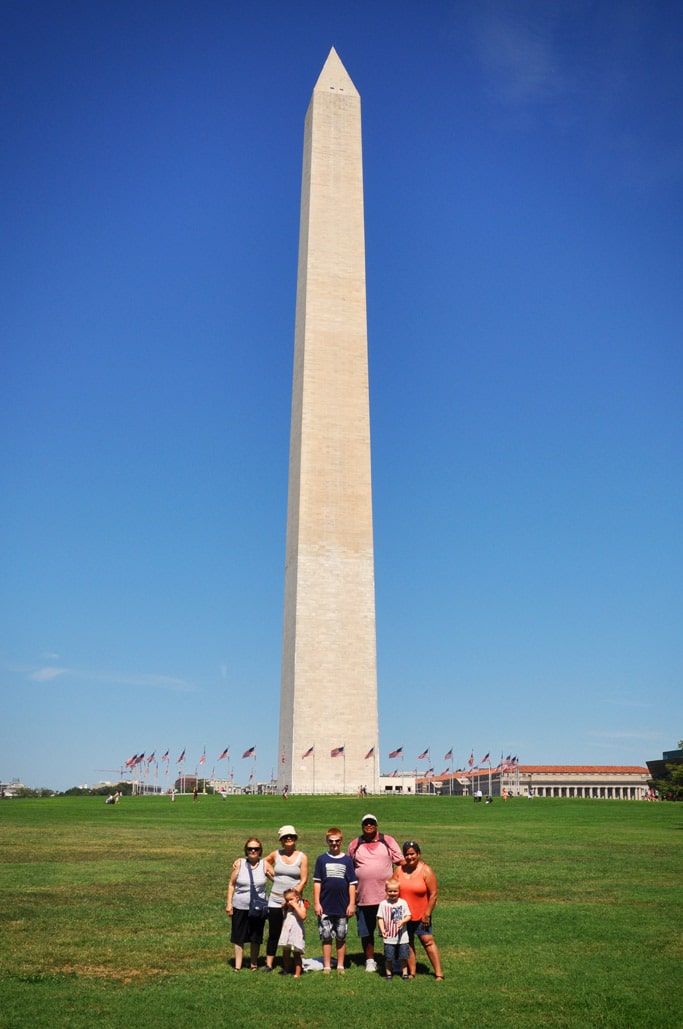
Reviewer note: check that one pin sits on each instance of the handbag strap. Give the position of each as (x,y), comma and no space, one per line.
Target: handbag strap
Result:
(254,891)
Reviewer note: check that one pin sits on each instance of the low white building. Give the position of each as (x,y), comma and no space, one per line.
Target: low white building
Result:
(398,784)
(10,789)
(613,782)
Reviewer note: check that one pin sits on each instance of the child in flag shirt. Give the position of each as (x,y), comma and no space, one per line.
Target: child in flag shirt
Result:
(393,916)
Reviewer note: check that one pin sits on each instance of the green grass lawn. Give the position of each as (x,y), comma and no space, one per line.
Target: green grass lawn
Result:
(550,913)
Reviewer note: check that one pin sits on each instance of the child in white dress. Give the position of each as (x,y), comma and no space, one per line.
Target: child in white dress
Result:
(292,938)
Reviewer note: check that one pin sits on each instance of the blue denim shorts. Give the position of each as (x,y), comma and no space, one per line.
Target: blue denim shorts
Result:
(367,919)
(419,929)
(395,952)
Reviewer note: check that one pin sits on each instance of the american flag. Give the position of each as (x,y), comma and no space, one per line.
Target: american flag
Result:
(423,755)
(165,757)
(224,754)
(396,753)
(484,760)
(203,757)
(369,753)
(449,755)
(181,758)
(308,752)
(250,753)
(471,759)
(151,757)
(337,752)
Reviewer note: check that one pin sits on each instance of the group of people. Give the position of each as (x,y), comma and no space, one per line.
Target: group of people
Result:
(388,888)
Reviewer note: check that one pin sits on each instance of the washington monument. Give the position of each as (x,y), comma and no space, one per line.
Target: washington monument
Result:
(328,703)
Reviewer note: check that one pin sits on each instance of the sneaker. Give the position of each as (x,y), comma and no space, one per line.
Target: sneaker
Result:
(371,965)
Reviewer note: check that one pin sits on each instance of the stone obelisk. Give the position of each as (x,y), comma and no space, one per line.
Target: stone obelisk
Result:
(329,669)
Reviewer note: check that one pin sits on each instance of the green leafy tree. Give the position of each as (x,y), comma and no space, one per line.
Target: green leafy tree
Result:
(670,788)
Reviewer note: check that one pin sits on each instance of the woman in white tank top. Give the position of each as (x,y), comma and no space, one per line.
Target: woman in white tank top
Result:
(289,868)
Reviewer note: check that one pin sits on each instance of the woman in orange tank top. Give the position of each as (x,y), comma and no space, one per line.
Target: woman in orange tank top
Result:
(418,886)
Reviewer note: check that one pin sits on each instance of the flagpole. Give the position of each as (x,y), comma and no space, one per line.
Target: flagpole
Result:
(313,769)
(344,756)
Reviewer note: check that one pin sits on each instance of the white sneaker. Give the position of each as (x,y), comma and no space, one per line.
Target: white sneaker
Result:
(371,965)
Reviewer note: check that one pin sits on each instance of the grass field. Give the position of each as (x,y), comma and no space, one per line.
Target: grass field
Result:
(551,913)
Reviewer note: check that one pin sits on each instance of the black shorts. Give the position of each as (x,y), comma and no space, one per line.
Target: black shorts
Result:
(246,929)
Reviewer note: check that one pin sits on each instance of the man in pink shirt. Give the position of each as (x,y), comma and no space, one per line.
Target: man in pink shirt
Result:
(375,856)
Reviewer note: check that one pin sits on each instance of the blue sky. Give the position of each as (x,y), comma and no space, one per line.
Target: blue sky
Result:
(524,215)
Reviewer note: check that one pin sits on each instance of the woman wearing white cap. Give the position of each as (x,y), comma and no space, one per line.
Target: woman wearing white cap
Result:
(289,868)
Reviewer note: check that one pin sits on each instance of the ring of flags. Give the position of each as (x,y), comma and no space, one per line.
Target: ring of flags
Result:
(506,764)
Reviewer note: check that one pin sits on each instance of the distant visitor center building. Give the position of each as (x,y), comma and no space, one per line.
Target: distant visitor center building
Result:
(328,741)
(601,782)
